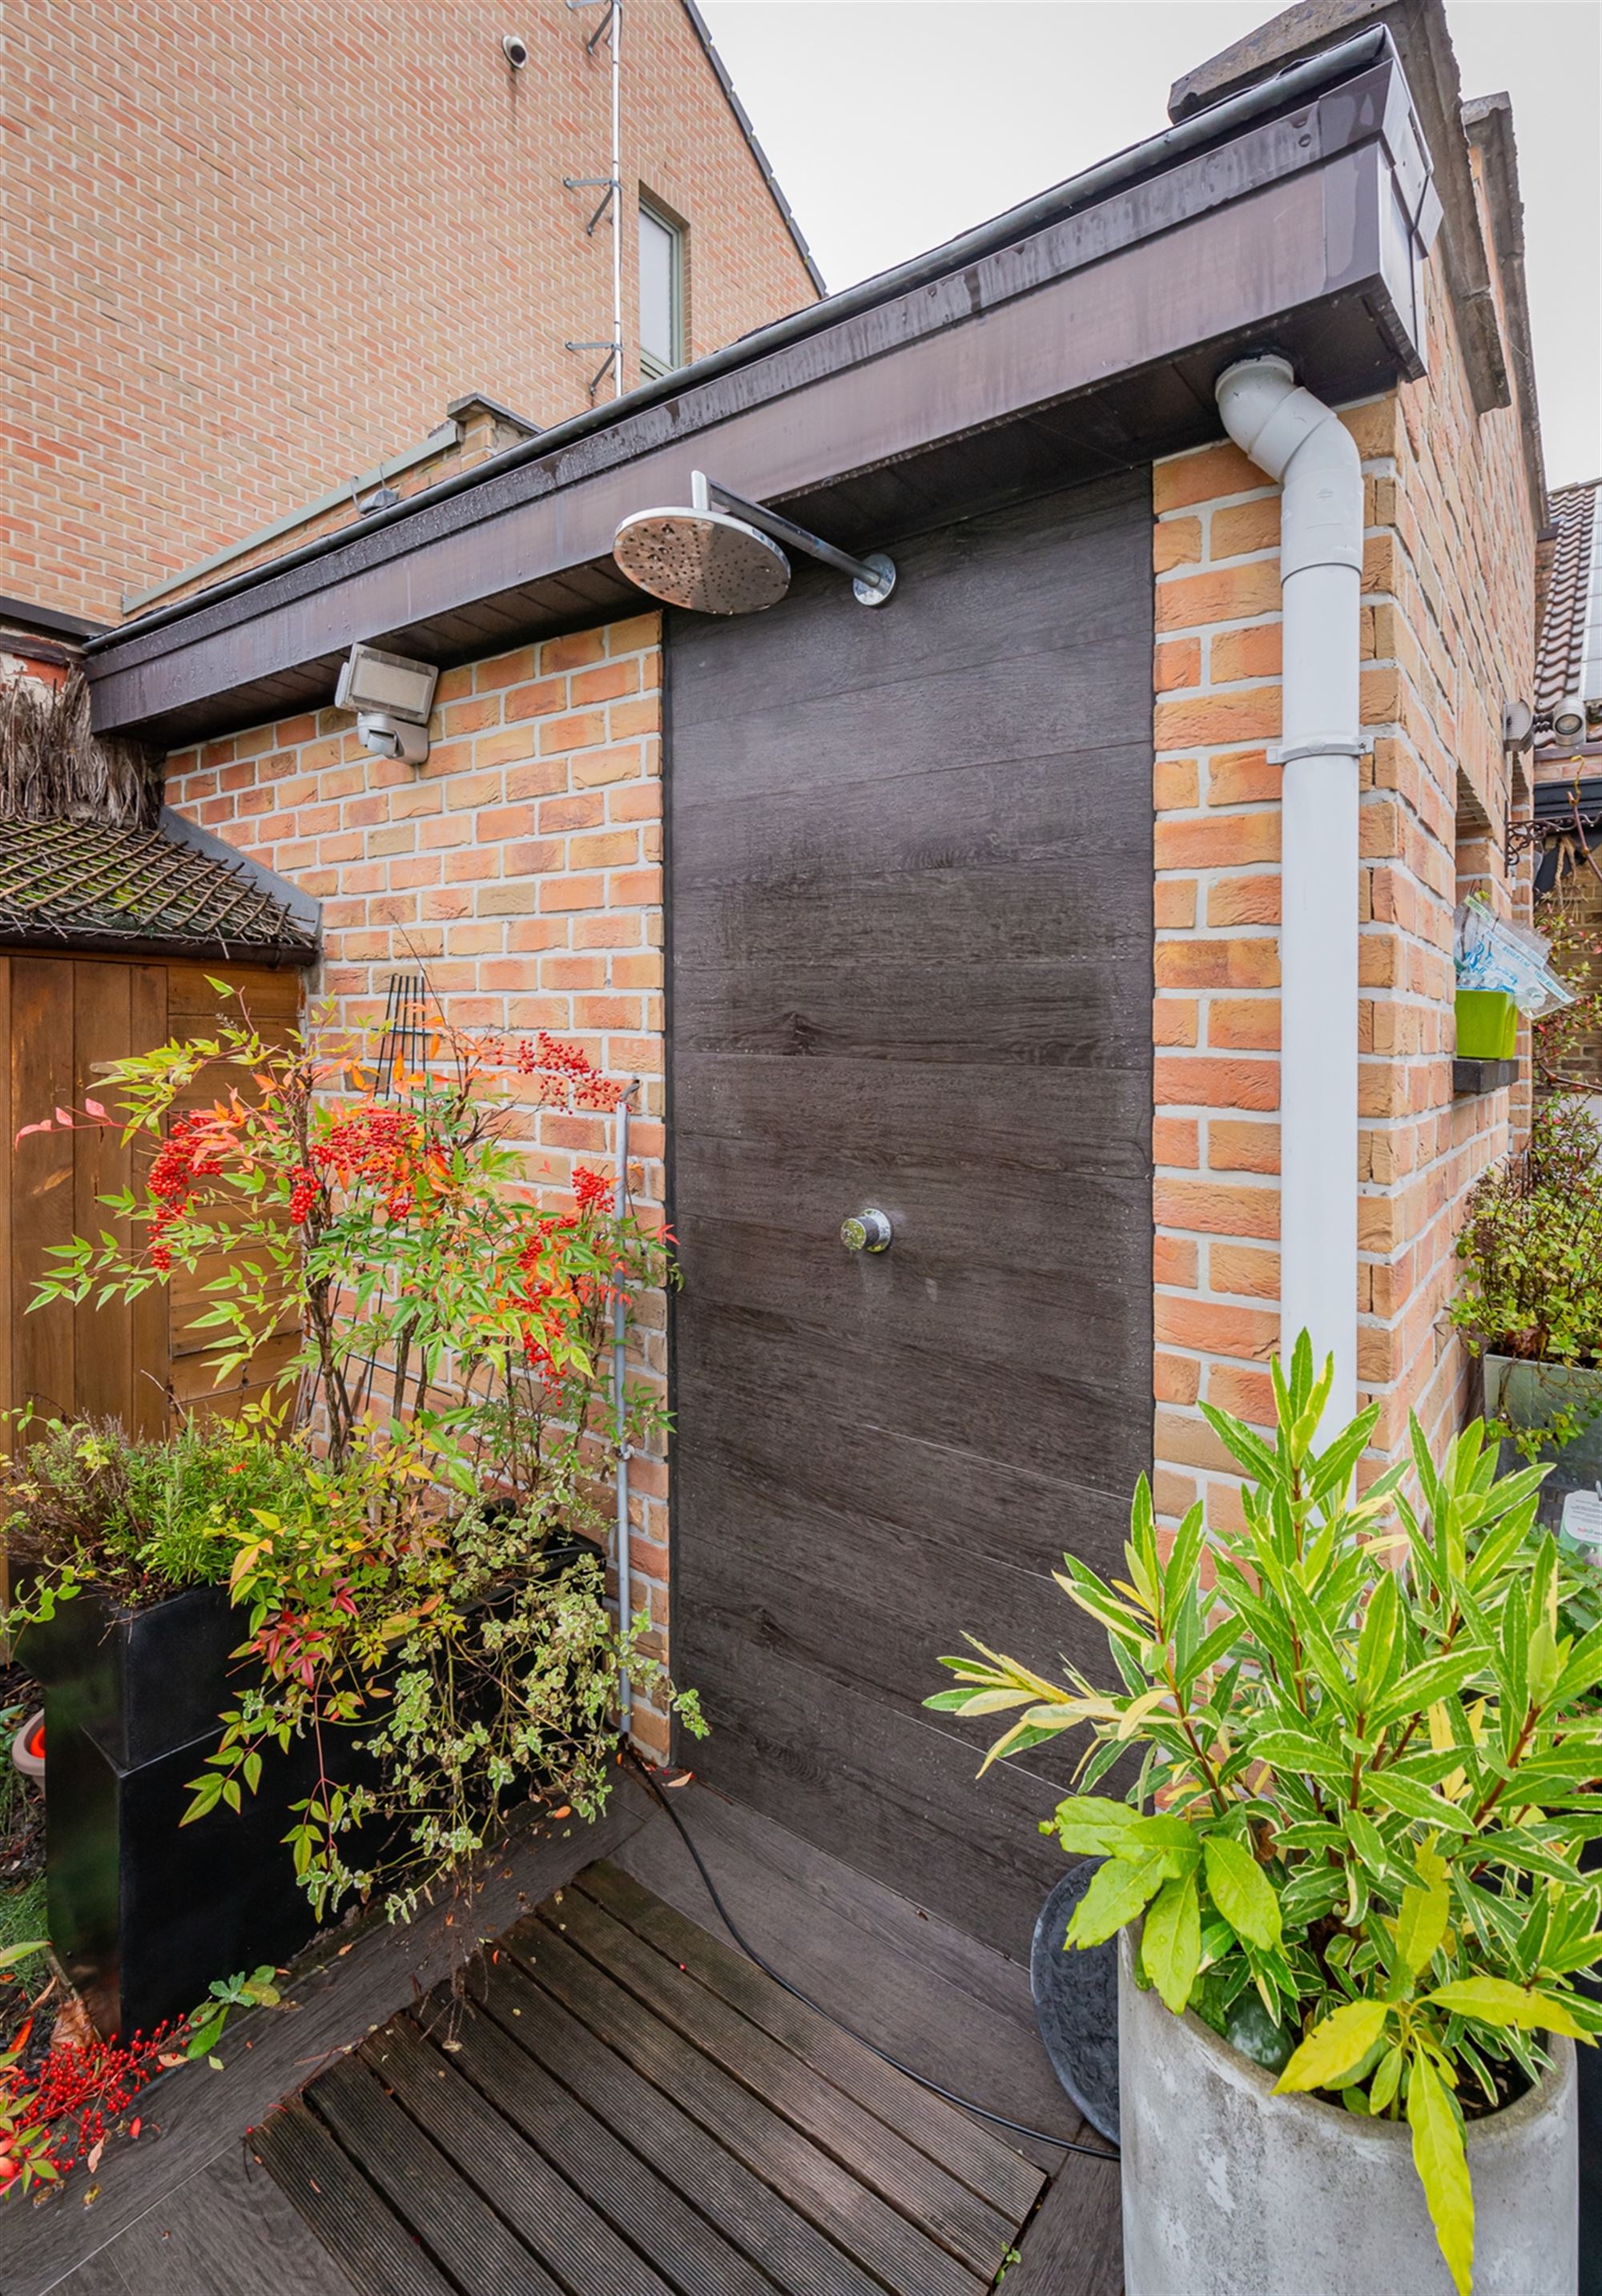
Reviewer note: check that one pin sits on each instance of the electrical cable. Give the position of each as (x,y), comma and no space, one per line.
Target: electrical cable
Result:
(965,2104)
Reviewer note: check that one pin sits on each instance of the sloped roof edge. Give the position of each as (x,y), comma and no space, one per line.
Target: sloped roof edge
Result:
(703,34)
(1488,123)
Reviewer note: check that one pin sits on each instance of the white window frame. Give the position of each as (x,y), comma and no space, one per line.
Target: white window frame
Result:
(652,363)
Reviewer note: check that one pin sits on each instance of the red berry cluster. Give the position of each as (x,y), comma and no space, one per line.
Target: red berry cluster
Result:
(373,1143)
(593,1190)
(581,1082)
(74,2098)
(302,1194)
(191,1151)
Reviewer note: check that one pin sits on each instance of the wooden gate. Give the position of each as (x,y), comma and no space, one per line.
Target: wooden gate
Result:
(59,1017)
(910,923)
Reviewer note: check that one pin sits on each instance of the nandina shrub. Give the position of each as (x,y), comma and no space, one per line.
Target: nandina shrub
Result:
(450,1417)
(62,2111)
(61,2104)
(394,1231)
(1368,1756)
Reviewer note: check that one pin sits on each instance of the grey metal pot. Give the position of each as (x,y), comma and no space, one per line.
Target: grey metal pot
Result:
(1229,2190)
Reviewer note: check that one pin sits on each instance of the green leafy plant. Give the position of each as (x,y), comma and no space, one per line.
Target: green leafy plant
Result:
(1531,1251)
(258,1990)
(452,1426)
(438,1645)
(1369,1755)
(84,1504)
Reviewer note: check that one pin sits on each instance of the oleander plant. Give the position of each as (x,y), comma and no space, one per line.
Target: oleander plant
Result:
(1367,1761)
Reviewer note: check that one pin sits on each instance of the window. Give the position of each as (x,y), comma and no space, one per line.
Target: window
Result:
(661,292)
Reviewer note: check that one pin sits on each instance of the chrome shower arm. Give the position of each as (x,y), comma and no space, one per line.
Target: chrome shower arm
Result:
(873,577)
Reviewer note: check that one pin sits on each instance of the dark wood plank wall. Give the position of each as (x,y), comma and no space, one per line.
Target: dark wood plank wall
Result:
(911,925)
(59,1017)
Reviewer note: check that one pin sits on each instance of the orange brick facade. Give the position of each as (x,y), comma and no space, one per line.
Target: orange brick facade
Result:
(522,868)
(1447,636)
(254,249)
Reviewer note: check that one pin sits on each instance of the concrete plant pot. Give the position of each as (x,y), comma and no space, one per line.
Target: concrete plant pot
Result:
(1229,2190)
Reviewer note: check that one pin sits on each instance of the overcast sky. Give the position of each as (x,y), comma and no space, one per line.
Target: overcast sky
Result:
(894,124)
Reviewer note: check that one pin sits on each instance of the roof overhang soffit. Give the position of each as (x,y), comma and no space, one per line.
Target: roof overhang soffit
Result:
(1305,230)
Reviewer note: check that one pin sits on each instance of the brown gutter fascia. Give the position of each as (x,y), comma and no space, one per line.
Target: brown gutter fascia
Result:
(1139,163)
(1239,272)
(1419,30)
(1299,213)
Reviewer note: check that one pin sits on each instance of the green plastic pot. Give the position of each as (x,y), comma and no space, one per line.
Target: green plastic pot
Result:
(1487,1025)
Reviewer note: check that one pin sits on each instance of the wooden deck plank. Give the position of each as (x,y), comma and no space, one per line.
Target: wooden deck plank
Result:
(421,2184)
(97,2276)
(929,1994)
(789,2249)
(228,2227)
(876,2155)
(346,1983)
(982,2162)
(376,2251)
(558,2224)
(1074,2246)
(686,2249)
(896,2251)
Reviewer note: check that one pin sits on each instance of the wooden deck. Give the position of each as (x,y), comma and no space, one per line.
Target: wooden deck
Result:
(624,2105)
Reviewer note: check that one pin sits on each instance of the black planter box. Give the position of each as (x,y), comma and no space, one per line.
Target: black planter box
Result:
(145,1911)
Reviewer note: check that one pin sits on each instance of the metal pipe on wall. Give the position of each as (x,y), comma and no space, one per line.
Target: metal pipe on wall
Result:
(619,1400)
(617,198)
(1298,440)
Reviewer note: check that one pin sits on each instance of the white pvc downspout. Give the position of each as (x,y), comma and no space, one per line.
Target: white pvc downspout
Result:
(1295,439)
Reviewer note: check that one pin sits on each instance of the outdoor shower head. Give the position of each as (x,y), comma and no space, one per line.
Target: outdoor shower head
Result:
(701,559)
(728,560)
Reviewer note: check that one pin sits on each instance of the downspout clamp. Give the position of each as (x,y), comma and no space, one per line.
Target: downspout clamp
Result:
(1296,440)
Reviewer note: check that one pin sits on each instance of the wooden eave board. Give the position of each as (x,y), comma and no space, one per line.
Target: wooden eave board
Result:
(1111,322)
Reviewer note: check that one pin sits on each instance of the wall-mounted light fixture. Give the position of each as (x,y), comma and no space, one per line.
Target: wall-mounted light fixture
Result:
(392,696)
(1518,725)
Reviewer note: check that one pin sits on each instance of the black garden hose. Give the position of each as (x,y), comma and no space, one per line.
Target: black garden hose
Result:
(965,2104)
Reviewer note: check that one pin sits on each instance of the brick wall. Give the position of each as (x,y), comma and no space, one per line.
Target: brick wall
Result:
(254,248)
(521,866)
(1447,634)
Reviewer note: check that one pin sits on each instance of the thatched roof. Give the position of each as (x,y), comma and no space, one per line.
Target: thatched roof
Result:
(53,767)
(90,861)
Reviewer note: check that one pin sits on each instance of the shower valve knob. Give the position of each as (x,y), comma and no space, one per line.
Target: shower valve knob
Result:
(868,1231)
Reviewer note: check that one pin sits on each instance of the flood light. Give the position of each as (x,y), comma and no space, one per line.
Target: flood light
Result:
(387,682)
(392,697)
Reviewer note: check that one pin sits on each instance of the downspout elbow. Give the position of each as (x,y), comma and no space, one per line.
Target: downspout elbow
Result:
(1299,441)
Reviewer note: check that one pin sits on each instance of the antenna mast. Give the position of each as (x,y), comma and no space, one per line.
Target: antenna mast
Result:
(611,24)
